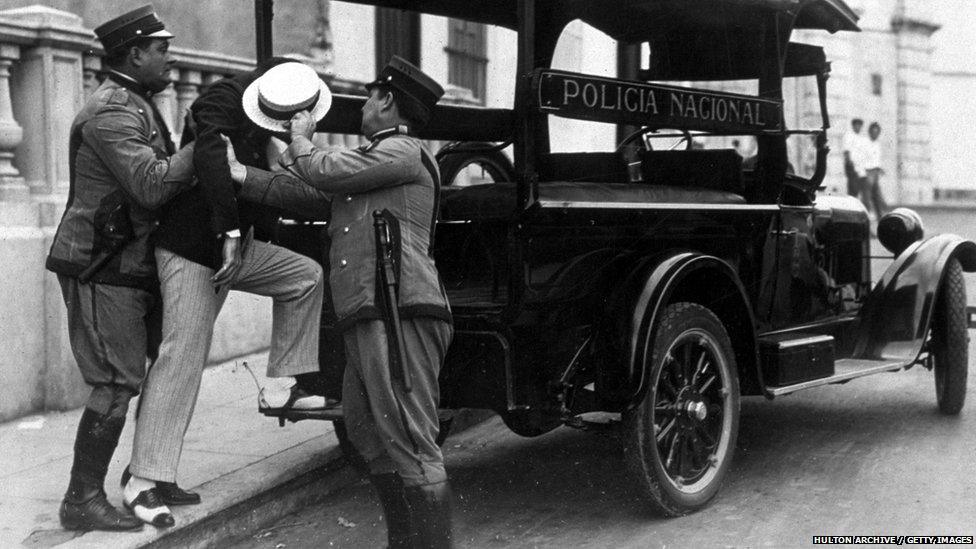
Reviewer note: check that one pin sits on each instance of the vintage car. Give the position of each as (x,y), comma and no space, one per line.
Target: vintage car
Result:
(647,289)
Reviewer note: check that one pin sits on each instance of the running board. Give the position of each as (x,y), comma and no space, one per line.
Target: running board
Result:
(845,369)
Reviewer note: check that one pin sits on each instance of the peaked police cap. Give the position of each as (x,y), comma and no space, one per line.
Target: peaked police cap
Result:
(138,23)
(407,78)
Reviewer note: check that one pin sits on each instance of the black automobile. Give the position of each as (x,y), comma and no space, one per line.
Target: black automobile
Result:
(647,289)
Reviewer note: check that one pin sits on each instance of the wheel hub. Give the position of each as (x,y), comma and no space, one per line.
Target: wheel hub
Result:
(696,410)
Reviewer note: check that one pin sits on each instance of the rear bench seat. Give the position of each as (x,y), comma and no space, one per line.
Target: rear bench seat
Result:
(671,177)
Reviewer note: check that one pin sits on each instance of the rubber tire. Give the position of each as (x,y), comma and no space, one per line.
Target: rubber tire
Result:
(640,450)
(495,163)
(950,340)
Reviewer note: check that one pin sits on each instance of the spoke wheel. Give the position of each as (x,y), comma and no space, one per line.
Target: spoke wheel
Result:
(679,442)
(949,341)
(474,166)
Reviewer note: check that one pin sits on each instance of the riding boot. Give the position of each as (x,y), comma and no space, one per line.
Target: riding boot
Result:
(430,515)
(389,487)
(85,506)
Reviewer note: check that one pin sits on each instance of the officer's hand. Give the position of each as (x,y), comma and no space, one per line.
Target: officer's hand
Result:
(301,124)
(232,263)
(237,170)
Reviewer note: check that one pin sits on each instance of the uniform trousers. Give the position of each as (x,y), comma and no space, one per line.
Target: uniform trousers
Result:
(190,307)
(109,328)
(395,430)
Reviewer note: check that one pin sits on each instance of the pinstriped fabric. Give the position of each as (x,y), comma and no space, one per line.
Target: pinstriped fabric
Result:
(190,307)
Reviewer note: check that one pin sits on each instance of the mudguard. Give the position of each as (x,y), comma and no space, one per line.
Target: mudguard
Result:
(895,319)
(671,278)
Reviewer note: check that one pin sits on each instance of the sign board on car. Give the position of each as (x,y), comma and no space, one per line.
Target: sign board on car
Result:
(586,97)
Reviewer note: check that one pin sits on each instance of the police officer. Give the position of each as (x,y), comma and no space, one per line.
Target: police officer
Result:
(394,429)
(123,166)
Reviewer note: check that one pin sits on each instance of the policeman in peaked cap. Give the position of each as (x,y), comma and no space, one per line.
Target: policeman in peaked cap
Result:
(141,28)
(393,426)
(123,166)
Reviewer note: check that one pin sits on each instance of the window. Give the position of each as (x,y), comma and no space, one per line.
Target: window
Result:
(467,50)
(876,82)
(397,33)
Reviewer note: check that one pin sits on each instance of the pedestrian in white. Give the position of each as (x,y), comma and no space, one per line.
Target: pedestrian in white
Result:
(872,168)
(855,144)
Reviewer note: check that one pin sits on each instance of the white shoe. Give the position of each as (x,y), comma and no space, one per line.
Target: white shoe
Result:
(292,398)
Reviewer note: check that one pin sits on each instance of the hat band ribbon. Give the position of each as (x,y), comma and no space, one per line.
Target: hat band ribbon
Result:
(286,115)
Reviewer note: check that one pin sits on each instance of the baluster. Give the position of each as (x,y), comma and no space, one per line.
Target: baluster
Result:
(187,91)
(210,78)
(12,185)
(91,65)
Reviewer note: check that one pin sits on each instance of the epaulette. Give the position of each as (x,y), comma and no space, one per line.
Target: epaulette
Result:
(119,97)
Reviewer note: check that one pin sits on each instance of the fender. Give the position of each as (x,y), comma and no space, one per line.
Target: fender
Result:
(895,319)
(664,282)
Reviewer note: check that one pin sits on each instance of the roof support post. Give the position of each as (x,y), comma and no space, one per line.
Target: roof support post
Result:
(263,15)
(528,120)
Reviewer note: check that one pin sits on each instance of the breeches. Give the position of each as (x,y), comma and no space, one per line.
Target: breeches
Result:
(190,308)
(109,327)
(396,430)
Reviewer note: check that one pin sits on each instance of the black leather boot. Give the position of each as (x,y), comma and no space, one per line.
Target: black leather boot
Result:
(430,515)
(94,513)
(85,506)
(389,487)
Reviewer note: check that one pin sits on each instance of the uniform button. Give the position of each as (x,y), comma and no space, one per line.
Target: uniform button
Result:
(345,229)
(141,111)
(257,156)
(348,198)
(343,263)
(154,132)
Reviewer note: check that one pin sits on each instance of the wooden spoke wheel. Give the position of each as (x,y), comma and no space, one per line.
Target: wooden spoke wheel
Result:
(679,442)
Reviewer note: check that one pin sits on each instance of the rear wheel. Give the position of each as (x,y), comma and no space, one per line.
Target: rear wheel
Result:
(949,343)
(679,442)
(479,163)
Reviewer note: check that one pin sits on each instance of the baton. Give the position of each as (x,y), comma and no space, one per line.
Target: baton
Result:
(387,274)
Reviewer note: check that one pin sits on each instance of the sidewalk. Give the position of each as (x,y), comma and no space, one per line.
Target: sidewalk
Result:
(232,455)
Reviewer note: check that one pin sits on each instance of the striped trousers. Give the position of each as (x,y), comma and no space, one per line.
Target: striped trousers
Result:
(190,307)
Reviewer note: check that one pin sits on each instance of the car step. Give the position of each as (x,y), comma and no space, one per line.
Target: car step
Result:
(845,370)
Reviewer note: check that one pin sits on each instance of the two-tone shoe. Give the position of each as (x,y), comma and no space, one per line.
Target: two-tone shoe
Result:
(169,492)
(148,506)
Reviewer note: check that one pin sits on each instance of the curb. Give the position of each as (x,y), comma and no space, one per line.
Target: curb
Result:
(248,499)
(254,497)
(261,510)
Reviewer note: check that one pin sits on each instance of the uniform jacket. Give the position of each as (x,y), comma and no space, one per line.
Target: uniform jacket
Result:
(120,151)
(394,172)
(191,225)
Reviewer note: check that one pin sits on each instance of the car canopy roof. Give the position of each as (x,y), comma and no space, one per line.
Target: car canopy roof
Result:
(638,20)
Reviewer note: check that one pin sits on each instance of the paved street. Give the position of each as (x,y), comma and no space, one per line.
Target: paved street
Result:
(869,457)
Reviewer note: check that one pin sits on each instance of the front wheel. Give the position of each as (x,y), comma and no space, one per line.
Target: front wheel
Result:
(678,444)
(949,343)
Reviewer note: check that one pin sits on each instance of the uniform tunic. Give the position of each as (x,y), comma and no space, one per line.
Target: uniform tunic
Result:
(120,153)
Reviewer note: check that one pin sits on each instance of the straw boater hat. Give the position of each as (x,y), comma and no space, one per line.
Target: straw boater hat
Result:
(283,91)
